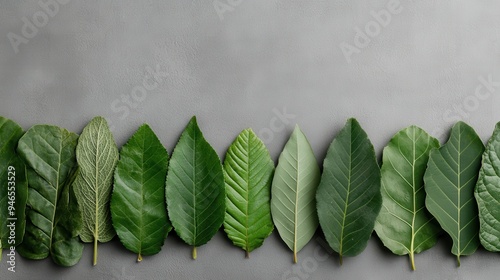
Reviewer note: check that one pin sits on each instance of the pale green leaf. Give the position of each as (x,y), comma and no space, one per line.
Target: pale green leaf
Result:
(293,192)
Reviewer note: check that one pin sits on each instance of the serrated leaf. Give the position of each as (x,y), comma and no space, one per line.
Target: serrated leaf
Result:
(348,196)
(195,188)
(248,174)
(450,180)
(487,194)
(404,224)
(138,209)
(293,192)
(97,155)
(53,219)
(13,184)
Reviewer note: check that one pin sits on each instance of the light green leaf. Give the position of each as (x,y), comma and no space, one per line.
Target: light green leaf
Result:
(53,217)
(449,182)
(138,208)
(487,194)
(97,155)
(14,184)
(248,172)
(348,195)
(403,224)
(195,188)
(293,202)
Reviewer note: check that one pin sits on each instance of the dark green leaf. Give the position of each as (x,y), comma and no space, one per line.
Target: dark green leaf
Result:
(138,207)
(195,188)
(348,195)
(404,225)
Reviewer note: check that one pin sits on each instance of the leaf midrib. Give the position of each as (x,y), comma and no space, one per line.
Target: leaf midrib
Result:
(347,198)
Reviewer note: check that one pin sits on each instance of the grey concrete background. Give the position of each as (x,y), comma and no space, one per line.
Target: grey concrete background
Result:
(238,64)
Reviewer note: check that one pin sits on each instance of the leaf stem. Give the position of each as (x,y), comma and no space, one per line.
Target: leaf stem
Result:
(95,251)
(139,258)
(294,257)
(341,260)
(247,254)
(412,261)
(194,253)
(458,260)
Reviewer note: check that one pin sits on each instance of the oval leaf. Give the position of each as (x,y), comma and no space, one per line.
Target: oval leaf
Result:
(138,209)
(487,194)
(13,179)
(293,202)
(449,182)
(53,216)
(97,155)
(195,188)
(248,172)
(348,195)
(404,225)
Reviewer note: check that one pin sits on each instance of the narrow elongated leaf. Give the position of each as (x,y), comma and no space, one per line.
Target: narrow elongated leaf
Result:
(293,202)
(14,186)
(487,194)
(348,195)
(53,216)
(138,207)
(248,172)
(96,154)
(404,224)
(195,188)
(450,180)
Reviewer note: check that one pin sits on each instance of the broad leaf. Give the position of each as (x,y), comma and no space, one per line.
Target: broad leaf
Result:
(97,155)
(487,194)
(248,172)
(293,202)
(14,186)
(450,180)
(195,188)
(138,198)
(53,217)
(404,224)
(348,195)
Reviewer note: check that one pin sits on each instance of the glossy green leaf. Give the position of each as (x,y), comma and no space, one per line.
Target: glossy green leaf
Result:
(293,199)
(138,209)
(404,224)
(487,193)
(195,188)
(348,196)
(96,154)
(450,180)
(53,219)
(248,172)
(14,190)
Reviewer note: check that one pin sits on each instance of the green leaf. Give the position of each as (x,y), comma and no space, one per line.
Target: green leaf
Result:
(348,195)
(13,179)
(403,224)
(195,188)
(248,172)
(53,217)
(293,202)
(96,154)
(449,182)
(487,194)
(138,208)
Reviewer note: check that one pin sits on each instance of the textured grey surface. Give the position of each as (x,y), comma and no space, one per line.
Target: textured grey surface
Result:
(238,69)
